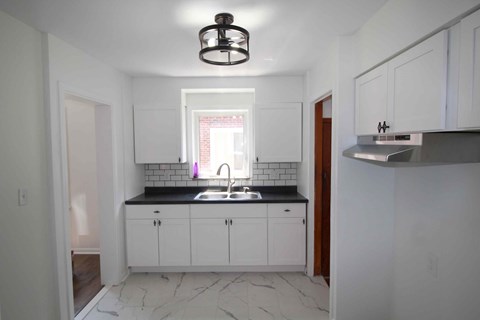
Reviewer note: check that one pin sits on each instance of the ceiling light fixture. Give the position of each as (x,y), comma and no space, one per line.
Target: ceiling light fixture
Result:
(224,44)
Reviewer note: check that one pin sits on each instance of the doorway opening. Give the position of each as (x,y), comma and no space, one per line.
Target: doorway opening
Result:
(323,156)
(87,151)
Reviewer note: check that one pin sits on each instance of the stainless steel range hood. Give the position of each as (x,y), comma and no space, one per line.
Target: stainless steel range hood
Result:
(417,149)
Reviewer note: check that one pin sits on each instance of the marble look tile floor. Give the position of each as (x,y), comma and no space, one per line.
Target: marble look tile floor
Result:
(209,296)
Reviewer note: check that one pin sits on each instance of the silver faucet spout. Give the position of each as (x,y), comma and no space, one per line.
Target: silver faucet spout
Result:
(229,182)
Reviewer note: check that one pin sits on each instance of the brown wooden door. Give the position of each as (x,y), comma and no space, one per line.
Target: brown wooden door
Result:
(326,174)
(323,138)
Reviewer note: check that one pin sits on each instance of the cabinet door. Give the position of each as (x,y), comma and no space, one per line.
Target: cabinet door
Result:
(417,81)
(248,241)
(209,242)
(286,241)
(158,135)
(469,80)
(278,132)
(371,101)
(174,242)
(142,243)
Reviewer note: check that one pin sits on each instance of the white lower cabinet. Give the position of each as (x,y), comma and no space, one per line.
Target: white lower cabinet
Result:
(209,242)
(248,241)
(230,234)
(142,243)
(158,235)
(216,235)
(286,234)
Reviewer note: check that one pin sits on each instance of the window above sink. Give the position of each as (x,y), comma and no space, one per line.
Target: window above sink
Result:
(219,130)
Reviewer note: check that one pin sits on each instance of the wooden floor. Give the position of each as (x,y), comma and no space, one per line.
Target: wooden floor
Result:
(86,279)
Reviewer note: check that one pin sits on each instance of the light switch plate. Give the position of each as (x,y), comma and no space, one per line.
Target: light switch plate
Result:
(22,197)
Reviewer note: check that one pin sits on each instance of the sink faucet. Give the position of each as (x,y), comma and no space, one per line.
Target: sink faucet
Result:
(230,183)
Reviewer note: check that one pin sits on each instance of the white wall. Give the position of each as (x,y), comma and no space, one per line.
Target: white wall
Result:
(399,23)
(387,223)
(437,215)
(436,208)
(82,175)
(70,68)
(168,90)
(27,278)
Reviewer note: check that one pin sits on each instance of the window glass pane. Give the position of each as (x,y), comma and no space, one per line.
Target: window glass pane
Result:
(221,139)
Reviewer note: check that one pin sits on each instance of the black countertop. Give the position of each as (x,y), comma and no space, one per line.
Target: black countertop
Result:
(186,195)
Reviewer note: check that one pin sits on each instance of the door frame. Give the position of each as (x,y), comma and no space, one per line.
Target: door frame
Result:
(318,188)
(58,169)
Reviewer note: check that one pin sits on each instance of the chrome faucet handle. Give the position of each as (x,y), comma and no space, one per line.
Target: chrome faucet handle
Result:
(245,189)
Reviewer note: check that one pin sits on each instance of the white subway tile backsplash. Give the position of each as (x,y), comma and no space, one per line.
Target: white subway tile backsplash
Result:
(178,175)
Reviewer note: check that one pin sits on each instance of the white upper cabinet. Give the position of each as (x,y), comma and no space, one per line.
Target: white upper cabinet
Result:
(371,101)
(417,87)
(159,135)
(406,94)
(278,132)
(469,78)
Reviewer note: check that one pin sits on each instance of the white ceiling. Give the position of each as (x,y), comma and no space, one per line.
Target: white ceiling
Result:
(160,37)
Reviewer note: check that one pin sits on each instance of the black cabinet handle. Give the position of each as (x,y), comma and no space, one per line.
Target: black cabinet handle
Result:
(385,127)
(287,210)
(257,159)
(226,222)
(231,221)
(303,221)
(154,223)
(159,223)
(156,211)
(379,127)
(179,159)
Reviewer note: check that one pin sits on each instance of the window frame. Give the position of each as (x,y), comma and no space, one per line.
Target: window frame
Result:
(192,115)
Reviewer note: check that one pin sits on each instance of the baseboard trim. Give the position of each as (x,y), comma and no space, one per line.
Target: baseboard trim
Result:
(219,269)
(86,250)
(86,310)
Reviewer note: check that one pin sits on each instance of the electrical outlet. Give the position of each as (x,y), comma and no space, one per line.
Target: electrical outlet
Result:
(22,197)
(432,264)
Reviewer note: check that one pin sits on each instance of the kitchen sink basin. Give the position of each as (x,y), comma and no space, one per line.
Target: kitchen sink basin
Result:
(220,195)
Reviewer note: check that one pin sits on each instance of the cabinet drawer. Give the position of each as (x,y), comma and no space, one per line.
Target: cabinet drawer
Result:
(286,210)
(157,211)
(236,210)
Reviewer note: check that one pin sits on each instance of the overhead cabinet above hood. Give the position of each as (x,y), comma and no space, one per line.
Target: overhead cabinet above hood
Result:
(417,149)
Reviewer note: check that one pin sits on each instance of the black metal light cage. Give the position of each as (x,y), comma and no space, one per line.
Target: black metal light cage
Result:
(224,44)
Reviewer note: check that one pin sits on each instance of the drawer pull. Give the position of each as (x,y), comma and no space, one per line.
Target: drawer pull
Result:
(154,223)
(226,222)
(287,210)
(303,221)
(159,223)
(156,211)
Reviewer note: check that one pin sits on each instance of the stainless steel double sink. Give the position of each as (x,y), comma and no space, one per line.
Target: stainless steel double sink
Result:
(222,195)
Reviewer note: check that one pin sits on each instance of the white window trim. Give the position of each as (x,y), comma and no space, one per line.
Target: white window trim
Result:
(248,133)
